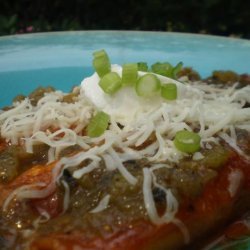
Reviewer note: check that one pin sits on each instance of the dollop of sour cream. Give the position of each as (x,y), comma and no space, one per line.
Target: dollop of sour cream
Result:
(125,106)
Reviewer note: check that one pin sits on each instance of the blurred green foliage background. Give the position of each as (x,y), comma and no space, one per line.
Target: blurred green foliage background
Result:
(218,17)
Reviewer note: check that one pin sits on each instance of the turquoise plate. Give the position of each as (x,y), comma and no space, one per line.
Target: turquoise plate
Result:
(62,59)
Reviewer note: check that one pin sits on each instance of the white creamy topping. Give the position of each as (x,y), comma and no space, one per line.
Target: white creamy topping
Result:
(124,106)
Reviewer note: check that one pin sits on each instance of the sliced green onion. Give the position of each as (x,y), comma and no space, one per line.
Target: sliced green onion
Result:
(101,63)
(129,73)
(164,69)
(177,69)
(98,124)
(187,142)
(99,53)
(147,85)
(110,83)
(169,91)
(142,66)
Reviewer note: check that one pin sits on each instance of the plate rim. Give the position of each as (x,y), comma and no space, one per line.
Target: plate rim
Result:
(128,32)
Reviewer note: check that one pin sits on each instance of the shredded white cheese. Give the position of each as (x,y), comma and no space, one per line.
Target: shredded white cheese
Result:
(233,143)
(234,178)
(25,191)
(198,156)
(103,204)
(79,173)
(119,165)
(171,202)
(36,123)
(66,198)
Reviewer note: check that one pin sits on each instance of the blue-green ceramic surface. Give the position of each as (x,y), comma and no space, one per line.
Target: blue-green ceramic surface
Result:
(62,59)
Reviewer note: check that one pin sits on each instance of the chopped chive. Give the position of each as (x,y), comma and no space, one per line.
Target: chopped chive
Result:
(101,63)
(98,124)
(110,83)
(129,73)
(164,69)
(169,91)
(142,66)
(147,85)
(187,142)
